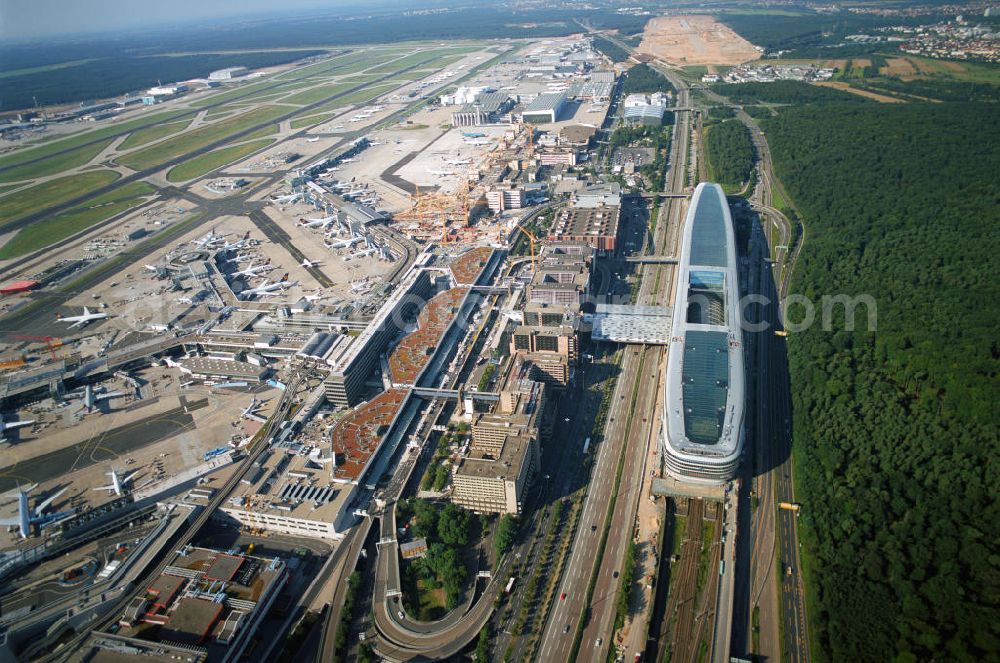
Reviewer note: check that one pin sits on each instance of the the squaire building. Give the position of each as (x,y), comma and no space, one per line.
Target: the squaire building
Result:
(703,409)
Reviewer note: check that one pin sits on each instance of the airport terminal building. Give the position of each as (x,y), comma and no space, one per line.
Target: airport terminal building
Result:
(703,413)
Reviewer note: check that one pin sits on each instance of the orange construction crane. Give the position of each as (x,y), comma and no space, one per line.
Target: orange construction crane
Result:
(532,240)
(51,342)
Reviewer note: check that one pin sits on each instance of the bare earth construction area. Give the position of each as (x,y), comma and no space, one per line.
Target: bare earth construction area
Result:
(690,40)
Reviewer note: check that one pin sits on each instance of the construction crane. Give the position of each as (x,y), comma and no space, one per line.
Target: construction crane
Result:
(51,342)
(531,240)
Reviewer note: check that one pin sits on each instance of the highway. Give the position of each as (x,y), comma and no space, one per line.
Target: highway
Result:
(772,526)
(576,625)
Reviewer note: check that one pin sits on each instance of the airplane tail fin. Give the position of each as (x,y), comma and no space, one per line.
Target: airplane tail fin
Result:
(284,277)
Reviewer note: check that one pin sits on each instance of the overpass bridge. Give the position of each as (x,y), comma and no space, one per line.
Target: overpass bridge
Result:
(432,393)
(652,260)
(662,194)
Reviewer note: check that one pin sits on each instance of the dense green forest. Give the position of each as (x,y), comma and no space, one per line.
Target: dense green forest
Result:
(730,152)
(644,79)
(813,35)
(136,54)
(109,77)
(785,92)
(942,90)
(612,50)
(896,430)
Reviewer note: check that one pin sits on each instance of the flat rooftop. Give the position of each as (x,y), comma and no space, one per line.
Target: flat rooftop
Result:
(414,351)
(467,267)
(358,435)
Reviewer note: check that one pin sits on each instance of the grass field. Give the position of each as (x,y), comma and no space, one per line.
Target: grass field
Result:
(317,94)
(52,192)
(350,63)
(321,114)
(441,57)
(269,130)
(149,134)
(206,163)
(231,94)
(42,234)
(55,164)
(308,121)
(224,111)
(160,153)
(49,148)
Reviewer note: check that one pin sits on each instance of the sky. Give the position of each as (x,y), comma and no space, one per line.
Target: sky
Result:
(28,19)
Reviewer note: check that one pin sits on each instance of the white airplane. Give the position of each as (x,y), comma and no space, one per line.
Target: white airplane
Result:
(458,162)
(250,411)
(81,320)
(312,223)
(26,516)
(346,243)
(12,425)
(441,172)
(117,485)
(314,139)
(241,257)
(238,244)
(210,238)
(266,288)
(307,263)
(91,400)
(364,252)
(286,199)
(254,271)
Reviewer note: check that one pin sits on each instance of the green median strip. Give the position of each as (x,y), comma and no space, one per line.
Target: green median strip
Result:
(77,140)
(42,234)
(51,193)
(160,153)
(55,164)
(206,163)
(149,134)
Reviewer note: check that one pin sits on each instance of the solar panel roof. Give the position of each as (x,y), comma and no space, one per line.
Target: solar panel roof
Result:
(705,379)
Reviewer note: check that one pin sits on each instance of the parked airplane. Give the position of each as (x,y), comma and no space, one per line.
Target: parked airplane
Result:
(117,485)
(292,197)
(81,320)
(12,425)
(241,257)
(238,244)
(254,271)
(312,223)
(268,288)
(345,243)
(92,400)
(250,411)
(26,516)
(209,238)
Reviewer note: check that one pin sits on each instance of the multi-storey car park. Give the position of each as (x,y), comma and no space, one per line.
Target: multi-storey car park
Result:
(703,409)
